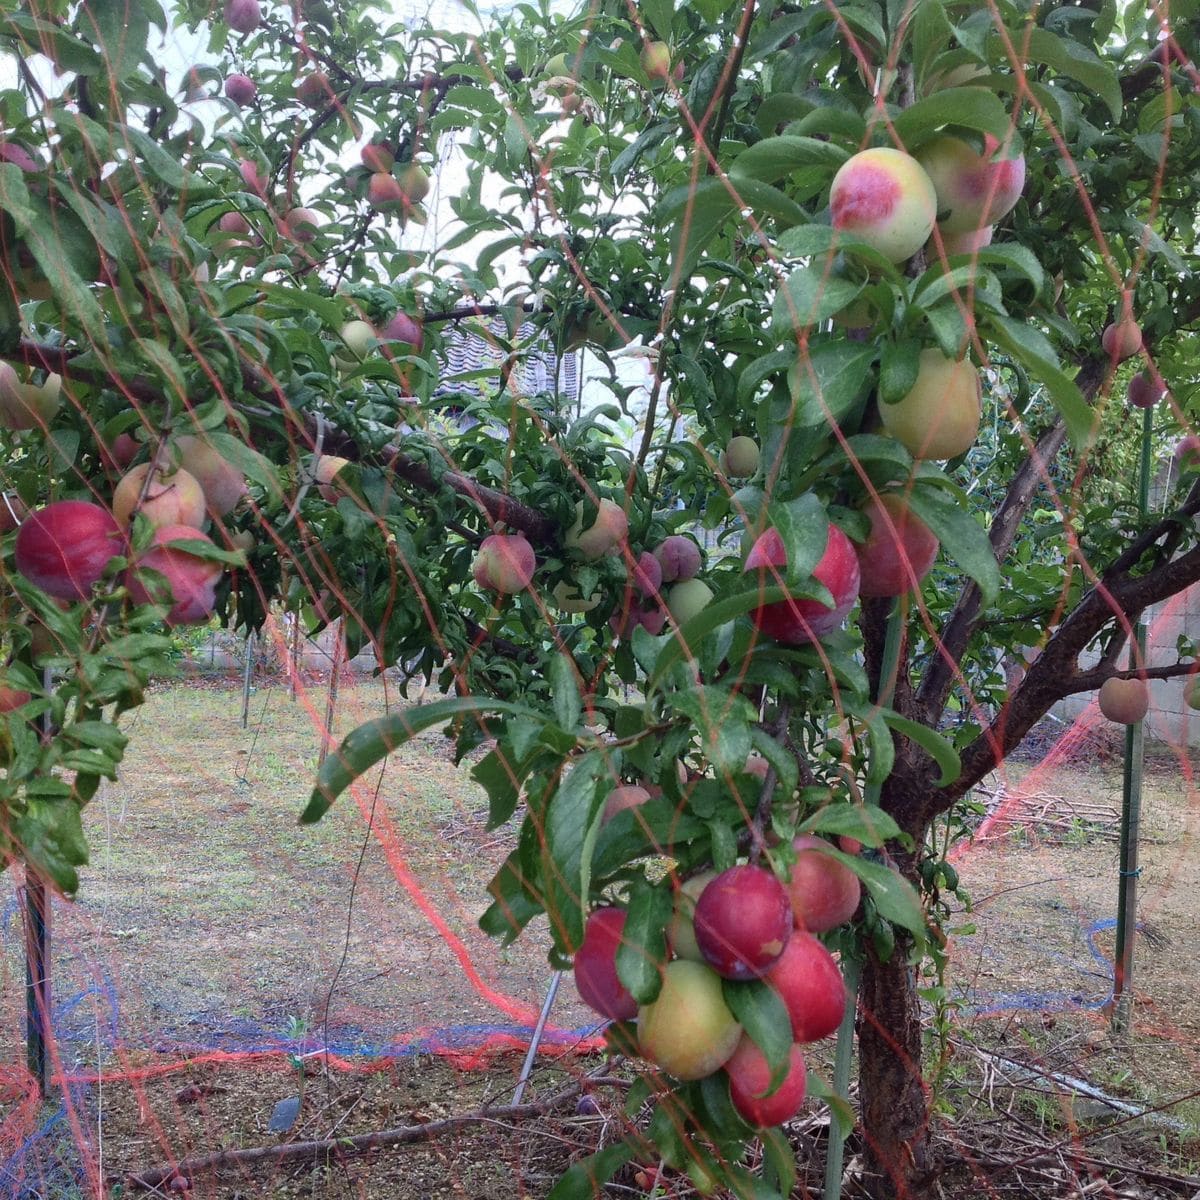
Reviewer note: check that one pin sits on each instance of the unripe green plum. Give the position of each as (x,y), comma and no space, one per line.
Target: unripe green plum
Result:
(688,1030)
(939,417)
(681,932)
(413,181)
(688,599)
(740,458)
(358,337)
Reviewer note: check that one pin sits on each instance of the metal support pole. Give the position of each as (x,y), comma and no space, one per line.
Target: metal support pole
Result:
(247,672)
(1131,799)
(536,1040)
(37,978)
(339,646)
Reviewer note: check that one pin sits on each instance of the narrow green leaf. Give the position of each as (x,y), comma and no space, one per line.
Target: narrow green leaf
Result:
(895,898)
(761,1013)
(962,537)
(569,817)
(773,158)
(643,949)
(810,295)
(1077,62)
(866,822)
(564,691)
(585,1179)
(1017,339)
(932,742)
(967,107)
(369,743)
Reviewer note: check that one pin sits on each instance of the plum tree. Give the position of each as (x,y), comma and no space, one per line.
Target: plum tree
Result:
(758,248)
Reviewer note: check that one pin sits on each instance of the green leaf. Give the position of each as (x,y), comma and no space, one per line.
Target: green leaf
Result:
(646,140)
(363,747)
(516,892)
(839,1107)
(780,1158)
(564,691)
(961,535)
(895,898)
(775,157)
(762,1014)
(569,816)
(867,823)
(1074,60)
(643,948)
(1027,346)
(932,742)
(803,527)
(828,382)
(120,29)
(658,13)
(678,647)
(585,1179)
(898,369)
(966,107)
(810,295)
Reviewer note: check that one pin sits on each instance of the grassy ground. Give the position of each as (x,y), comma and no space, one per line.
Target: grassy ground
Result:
(210,921)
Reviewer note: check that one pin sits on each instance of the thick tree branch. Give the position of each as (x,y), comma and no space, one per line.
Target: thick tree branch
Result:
(1055,673)
(961,624)
(495,505)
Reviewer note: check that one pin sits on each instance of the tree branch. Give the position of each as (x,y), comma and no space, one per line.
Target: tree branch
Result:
(497,506)
(338,1148)
(1055,673)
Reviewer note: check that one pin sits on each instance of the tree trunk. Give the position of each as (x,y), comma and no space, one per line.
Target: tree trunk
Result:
(895,1109)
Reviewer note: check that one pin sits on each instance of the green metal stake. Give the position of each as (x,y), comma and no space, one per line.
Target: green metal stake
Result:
(1131,801)
(852,968)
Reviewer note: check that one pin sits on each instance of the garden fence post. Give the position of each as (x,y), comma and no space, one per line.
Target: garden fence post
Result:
(1131,796)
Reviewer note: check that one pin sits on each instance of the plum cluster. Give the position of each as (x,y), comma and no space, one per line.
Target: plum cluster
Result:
(742,924)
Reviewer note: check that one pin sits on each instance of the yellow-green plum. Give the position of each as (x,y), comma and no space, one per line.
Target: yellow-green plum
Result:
(939,417)
(172,497)
(688,1030)
(413,181)
(603,536)
(688,599)
(27,405)
(884,198)
(740,458)
(972,189)
(681,930)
